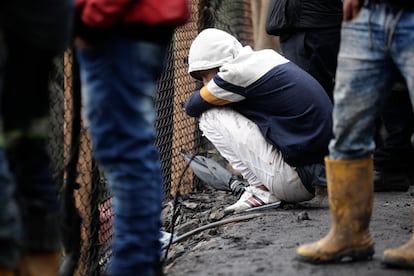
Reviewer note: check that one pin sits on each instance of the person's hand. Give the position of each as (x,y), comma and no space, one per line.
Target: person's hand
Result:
(351,9)
(81,43)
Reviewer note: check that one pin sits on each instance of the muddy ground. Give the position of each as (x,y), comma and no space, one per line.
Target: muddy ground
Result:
(264,242)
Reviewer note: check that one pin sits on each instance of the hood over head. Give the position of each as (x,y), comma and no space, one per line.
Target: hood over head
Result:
(211,49)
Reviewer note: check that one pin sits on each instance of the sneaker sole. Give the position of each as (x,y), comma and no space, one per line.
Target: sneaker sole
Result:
(264,207)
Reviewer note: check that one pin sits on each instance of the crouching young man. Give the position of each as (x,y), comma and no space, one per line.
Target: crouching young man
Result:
(270,119)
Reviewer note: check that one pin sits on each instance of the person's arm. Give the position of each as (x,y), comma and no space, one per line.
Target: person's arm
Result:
(351,9)
(216,93)
(195,105)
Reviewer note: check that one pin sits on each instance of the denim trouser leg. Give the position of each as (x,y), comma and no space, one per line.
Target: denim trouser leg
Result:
(372,48)
(37,195)
(10,221)
(402,51)
(119,85)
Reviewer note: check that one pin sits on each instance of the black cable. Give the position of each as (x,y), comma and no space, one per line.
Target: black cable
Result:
(215,224)
(174,209)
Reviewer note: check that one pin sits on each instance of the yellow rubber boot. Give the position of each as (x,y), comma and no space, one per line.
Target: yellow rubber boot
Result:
(44,264)
(6,272)
(350,193)
(401,257)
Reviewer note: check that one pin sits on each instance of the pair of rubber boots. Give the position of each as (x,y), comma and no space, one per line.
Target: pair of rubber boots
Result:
(350,192)
(46,264)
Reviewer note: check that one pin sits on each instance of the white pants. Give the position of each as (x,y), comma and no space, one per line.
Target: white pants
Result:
(240,141)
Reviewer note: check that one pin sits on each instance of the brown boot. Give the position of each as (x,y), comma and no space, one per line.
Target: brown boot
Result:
(44,264)
(350,193)
(403,256)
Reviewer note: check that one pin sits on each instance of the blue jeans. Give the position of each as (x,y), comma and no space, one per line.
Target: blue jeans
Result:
(374,47)
(119,86)
(10,220)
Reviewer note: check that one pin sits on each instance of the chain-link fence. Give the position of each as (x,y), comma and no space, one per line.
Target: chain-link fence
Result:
(86,201)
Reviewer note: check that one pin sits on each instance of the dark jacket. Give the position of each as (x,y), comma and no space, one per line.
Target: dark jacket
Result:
(287,15)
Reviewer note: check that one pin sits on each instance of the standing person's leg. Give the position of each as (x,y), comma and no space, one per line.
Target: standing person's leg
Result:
(394,159)
(315,51)
(10,226)
(403,53)
(240,141)
(362,78)
(10,223)
(119,86)
(322,46)
(26,109)
(292,46)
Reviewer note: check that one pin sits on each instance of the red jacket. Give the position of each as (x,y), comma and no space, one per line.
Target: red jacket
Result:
(105,14)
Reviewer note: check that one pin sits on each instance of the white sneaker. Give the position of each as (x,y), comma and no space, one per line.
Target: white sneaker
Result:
(252,197)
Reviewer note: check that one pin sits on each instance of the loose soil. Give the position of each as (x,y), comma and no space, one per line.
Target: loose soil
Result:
(264,242)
